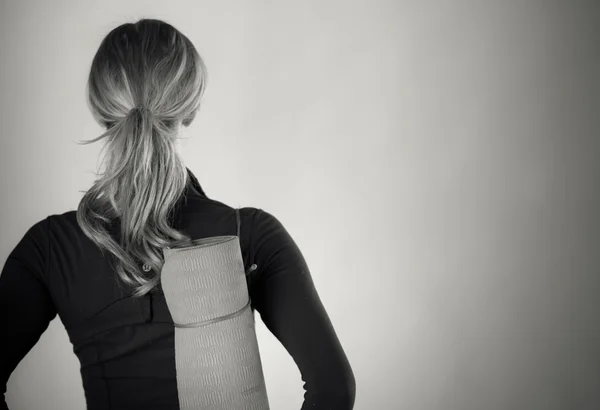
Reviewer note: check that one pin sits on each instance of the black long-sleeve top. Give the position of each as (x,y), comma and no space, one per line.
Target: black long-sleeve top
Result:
(126,346)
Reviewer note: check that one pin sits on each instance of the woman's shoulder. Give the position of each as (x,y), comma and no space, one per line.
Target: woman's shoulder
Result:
(32,248)
(261,221)
(272,245)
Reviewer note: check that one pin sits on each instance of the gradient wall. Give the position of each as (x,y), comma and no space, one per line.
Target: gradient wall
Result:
(436,161)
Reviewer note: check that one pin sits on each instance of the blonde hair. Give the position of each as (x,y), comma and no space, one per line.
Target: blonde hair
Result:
(146,81)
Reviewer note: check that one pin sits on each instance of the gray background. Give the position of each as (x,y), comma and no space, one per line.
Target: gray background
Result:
(436,162)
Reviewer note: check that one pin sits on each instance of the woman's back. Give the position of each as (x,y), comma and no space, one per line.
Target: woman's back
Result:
(125,344)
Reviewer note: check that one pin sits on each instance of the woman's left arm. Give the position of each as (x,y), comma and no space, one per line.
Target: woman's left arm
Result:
(26,307)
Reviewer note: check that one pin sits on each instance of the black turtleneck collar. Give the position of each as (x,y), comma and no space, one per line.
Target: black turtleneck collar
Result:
(194,185)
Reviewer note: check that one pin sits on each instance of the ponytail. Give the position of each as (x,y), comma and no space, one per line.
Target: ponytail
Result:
(144,176)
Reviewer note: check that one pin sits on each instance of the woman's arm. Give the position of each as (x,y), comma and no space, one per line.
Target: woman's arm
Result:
(26,308)
(285,296)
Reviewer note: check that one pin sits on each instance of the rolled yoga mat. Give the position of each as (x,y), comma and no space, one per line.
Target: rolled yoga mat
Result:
(216,350)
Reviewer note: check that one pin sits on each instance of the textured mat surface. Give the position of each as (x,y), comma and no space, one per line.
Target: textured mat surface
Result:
(216,350)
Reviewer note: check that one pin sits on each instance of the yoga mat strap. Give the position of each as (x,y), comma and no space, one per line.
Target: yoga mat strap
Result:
(218,319)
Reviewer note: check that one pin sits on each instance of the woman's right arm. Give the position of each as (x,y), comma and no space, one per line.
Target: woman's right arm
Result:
(26,308)
(290,307)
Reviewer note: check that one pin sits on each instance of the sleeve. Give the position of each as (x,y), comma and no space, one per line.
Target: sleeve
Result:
(26,307)
(290,307)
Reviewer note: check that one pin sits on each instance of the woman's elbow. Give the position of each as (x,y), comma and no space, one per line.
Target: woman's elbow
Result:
(350,392)
(343,393)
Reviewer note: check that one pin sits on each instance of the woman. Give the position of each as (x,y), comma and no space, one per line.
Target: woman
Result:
(99,267)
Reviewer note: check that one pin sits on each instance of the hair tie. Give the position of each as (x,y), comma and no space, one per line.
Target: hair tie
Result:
(141,110)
